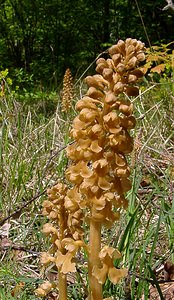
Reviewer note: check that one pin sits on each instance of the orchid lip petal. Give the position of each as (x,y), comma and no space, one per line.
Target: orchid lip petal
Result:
(115,275)
(100,273)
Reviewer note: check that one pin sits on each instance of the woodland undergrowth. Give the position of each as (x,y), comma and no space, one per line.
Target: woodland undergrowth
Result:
(32,154)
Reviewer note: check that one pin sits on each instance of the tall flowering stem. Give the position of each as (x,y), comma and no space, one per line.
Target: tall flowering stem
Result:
(101,132)
(95,288)
(99,172)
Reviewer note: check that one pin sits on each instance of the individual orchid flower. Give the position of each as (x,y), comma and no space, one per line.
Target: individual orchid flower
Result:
(107,256)
(44,289)
(46,258)
(65,261)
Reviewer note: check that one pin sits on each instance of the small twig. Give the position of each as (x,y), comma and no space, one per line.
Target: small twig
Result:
(104,52)
(146,113)
(142,93)
(142,21)
(150,280)
(51,158)
(170,5)
(20,248)
(55,154)
(19,210)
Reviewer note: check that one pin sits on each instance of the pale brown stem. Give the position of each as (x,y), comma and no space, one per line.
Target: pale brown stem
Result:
(95,288)
(62,286)
(62,278)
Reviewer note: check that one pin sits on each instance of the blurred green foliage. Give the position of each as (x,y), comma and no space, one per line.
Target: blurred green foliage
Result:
(39,39)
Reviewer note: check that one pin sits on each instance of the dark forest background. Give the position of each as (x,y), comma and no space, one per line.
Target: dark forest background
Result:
(41,38)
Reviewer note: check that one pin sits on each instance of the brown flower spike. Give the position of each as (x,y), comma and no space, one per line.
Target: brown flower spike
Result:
(67,93)
(99,173)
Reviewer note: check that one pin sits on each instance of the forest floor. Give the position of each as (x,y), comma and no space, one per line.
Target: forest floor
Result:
(32,154)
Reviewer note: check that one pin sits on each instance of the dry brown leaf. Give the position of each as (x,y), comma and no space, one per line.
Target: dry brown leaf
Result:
(158,69)
(16,290)
(5,243)
(169,270)
(167,290)
(4,230)
(53,296)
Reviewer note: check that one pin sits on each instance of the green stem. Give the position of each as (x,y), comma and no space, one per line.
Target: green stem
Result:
(95,288)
